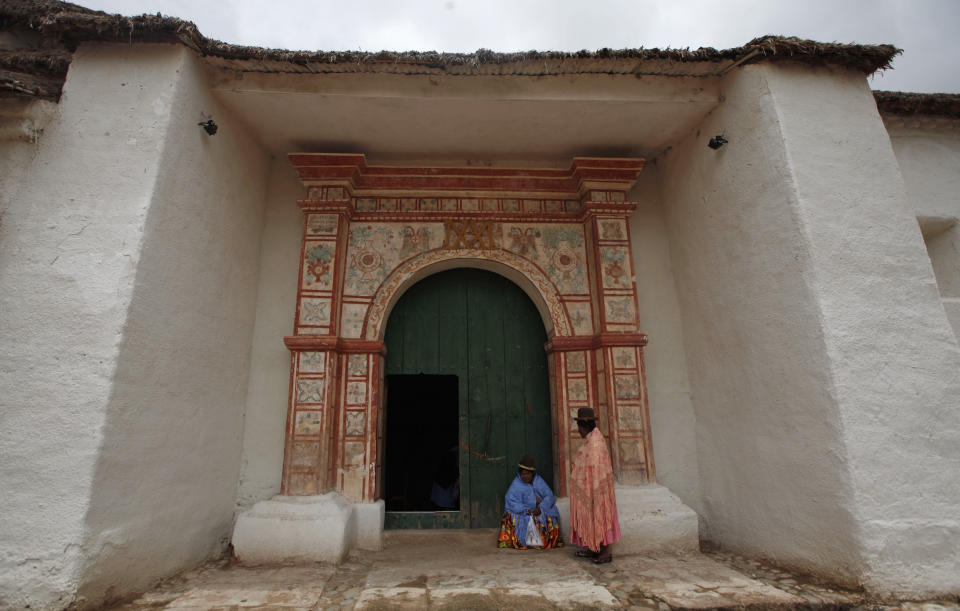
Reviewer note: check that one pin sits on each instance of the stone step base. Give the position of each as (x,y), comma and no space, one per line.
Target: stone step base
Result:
(298,529)
(324,528)
(652,519)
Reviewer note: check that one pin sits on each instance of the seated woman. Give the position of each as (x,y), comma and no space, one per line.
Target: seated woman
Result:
(531,518)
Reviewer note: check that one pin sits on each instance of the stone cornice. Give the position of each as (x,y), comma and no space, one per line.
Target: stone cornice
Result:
(346,208)
(588,179)
(592,342)
(332,343)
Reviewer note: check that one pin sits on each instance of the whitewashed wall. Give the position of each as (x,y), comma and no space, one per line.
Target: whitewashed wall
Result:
(770,450)
(269,386)
(672,417)
(928,153)
(895,360)
(70,238)
(15,158)
(128,270)
(823,368)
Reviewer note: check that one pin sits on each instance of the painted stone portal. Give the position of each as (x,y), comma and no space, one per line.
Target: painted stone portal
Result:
(371,232)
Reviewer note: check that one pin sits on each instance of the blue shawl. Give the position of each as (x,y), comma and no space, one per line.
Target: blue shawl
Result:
(523,497)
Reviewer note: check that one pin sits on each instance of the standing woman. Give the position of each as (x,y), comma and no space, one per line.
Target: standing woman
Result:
(531,519)
(593,505)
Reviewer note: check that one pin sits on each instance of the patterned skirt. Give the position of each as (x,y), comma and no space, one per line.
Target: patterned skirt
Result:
(549,534)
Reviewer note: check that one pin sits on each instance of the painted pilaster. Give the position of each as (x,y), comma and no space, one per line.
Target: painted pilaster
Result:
(309,417)
(312,415)
(618,359)
(357,447)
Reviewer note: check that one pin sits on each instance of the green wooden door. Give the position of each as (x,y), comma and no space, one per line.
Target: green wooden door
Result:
(482,328)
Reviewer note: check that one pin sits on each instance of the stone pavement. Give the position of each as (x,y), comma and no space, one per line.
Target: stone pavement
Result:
(465,570)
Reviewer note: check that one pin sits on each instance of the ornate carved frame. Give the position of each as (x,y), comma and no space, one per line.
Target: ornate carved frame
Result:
(370,232)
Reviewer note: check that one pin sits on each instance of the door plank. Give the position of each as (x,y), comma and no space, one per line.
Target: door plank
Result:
(452,348)
(487,381)
(514,396)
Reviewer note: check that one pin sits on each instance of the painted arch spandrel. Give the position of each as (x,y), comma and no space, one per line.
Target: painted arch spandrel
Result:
(383,256)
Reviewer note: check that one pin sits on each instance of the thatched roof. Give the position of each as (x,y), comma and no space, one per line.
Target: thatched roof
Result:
(61,27)
(909,104)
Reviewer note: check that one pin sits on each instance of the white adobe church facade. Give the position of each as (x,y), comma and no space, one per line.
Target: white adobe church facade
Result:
(195,324)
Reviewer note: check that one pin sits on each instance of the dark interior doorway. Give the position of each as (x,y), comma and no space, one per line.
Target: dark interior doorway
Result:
(422,443)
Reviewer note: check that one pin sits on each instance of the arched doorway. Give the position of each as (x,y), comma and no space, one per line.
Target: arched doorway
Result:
(370,233)
(467,394)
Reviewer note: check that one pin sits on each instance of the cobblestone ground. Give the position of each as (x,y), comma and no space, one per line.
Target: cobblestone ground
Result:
(464,570)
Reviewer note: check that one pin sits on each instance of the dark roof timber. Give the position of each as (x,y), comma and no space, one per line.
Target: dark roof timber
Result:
(60,27)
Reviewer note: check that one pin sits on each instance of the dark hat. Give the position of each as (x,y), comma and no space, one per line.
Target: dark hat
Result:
(527,463)
(585,413)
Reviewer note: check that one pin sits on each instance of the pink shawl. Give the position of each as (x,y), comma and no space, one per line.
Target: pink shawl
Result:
(593,505)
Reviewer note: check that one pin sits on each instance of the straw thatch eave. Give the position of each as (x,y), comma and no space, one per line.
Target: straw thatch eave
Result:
(898,103)
(65,26)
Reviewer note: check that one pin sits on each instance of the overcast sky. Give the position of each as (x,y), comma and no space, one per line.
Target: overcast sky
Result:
(927,30)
